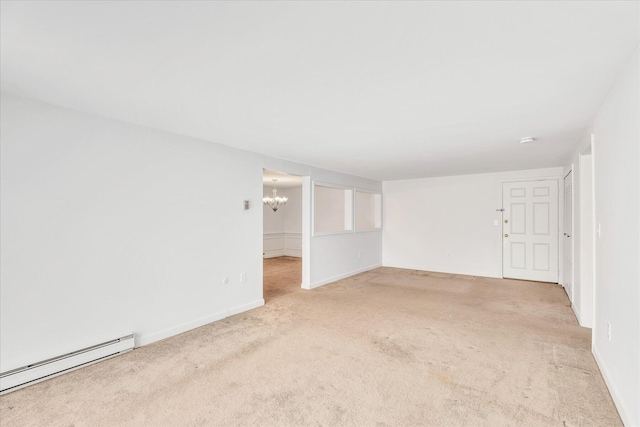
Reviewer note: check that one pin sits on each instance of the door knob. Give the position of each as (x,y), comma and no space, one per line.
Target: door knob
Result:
(506,221)
(506,235)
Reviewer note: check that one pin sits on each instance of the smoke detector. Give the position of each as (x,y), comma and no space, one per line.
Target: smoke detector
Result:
(527,139)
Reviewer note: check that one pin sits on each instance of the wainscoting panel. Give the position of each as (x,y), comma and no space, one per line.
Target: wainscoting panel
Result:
(273,245)
(293,244)
(282,244)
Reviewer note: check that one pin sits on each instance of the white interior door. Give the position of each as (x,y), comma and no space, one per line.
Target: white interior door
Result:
(530,230)
(567,249)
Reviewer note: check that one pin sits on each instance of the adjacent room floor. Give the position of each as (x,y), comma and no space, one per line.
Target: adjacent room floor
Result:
(281,276)
(388,347)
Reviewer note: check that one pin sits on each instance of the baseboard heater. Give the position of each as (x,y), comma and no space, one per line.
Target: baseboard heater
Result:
(40,371)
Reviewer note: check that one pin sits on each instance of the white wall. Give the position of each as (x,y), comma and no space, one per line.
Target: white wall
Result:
(584,230)
(293,210)
(368,210)
(616,127)
(446,224)
(109,228)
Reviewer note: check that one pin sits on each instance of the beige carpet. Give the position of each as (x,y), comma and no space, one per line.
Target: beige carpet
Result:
(388,347)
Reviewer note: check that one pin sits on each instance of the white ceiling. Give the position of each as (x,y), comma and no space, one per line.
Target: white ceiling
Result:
(284,180)
(384,90)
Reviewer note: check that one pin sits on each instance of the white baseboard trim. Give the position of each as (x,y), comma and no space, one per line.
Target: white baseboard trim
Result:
(625,415)
(145,339)
(343,276)
(245,307)
(273,253)
(435,270)
(279,253)
(296,253)
(282,244)
(576,312)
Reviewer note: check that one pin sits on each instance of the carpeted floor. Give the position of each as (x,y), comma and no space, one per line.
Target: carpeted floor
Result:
(281,276)
(389,347)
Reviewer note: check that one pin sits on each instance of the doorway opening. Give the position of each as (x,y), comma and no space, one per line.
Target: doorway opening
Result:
(283,224)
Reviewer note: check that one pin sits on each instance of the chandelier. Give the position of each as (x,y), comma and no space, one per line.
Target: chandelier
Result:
(275,202)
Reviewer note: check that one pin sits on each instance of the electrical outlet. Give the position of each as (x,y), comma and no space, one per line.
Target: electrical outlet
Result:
(609,331)
(243,277)
(225,280)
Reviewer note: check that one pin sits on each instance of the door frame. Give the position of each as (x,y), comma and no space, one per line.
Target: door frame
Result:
(572,235)
(586,230)
(306,232)
(306,225)
(556,178)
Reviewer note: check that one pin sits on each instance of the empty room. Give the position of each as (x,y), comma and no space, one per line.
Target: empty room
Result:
(279,213)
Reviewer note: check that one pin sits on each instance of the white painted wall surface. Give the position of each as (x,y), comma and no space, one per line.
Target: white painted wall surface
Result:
(446,224)
(368,210)
(584,242)
(293,210)
(358,252)
(109,228)
(617,285)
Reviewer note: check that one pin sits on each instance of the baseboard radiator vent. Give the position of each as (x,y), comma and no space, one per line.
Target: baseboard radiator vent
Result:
(40,371)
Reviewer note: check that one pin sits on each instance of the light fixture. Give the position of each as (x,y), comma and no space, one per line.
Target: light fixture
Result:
(527,139)
(275,202)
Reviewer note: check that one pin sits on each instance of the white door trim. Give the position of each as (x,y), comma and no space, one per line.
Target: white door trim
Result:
(560,197)
(571,233)
(530,273)
(305,235)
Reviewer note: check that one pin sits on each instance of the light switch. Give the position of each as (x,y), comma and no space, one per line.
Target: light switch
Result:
(496,222)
